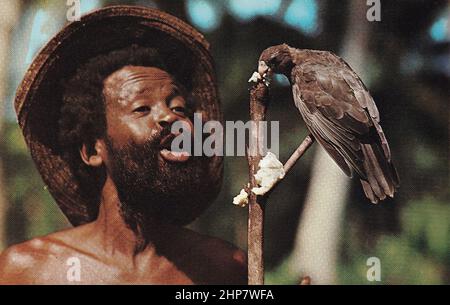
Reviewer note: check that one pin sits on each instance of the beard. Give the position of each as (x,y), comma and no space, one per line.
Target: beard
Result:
(154,191)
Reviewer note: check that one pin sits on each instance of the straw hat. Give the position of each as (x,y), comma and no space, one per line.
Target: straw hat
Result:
(184,51)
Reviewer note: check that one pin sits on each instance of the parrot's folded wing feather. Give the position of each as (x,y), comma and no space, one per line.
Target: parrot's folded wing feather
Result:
(334,105)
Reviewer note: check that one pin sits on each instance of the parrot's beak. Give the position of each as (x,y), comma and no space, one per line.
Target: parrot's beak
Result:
(263,68)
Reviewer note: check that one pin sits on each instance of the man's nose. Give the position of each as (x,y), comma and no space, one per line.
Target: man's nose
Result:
(165,116)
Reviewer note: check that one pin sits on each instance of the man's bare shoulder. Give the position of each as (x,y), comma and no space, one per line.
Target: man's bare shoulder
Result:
(37,260)
(227,264)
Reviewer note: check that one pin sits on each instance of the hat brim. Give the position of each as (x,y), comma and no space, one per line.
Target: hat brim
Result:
(184,52)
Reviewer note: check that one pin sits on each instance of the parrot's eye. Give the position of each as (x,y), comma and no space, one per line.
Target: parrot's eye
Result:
(272,62)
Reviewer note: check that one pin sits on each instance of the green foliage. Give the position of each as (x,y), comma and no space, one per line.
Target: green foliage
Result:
(282,275)
(31,210)
(419,254)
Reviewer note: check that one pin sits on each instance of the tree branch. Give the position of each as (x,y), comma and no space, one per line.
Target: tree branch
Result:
(296,155)
(258,102)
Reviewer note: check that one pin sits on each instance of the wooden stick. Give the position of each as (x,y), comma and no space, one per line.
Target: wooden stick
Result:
(258,102)
(296,155)
(305,281)
(258,107)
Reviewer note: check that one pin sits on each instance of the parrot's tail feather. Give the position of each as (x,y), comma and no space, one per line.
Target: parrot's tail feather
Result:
(382,178)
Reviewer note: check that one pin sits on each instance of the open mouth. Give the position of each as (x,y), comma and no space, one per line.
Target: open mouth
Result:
(167,153)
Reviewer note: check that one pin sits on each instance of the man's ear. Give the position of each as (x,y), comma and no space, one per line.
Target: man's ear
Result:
(93,156)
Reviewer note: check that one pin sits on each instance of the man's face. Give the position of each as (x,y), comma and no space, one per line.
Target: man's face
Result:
(153,183)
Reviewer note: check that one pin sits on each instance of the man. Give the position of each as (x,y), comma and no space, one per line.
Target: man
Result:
(110,167)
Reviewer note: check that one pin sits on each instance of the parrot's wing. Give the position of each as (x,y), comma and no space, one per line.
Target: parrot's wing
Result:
(338,110)
(366,101)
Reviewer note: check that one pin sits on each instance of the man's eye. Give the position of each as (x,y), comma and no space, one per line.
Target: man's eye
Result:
(179,110)
(142,109)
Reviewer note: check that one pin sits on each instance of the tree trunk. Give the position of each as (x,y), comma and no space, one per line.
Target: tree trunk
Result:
(9,14)
(316,247)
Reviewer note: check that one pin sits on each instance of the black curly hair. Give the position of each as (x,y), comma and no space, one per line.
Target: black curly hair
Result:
(83,119)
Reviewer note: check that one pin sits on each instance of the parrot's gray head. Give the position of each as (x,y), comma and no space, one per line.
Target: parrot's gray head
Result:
(276,59)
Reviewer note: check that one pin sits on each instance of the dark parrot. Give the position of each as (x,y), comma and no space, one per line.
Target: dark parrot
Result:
(339,112)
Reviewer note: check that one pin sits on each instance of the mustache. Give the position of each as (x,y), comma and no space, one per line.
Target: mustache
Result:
(151,143)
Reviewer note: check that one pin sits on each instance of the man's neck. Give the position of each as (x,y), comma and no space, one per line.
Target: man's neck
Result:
(115,235)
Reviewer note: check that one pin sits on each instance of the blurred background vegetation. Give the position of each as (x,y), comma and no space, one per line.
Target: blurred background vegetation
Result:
(318,222)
